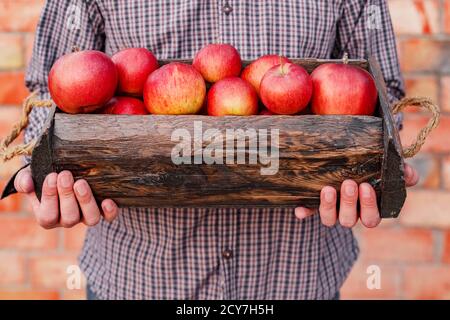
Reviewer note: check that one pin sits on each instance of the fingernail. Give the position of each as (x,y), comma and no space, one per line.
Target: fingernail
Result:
(365,191)
(301,213)
(329,197)
(350,190)
(51,181)
(66,181)
(108,206)
(81,190)
(408,171)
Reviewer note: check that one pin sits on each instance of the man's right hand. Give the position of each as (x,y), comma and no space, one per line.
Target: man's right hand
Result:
(61,201)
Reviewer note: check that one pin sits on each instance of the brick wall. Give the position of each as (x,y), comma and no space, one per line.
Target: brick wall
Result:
(413,253)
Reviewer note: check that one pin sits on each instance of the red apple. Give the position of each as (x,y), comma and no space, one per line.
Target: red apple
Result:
(218,61)
(255,71)
(124,105)
(82,81)
(232,96)
(175,88)
(134,66)
(286,89)
(343,89)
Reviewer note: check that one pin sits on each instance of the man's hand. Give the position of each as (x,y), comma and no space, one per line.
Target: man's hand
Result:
(61,201)
(348,211)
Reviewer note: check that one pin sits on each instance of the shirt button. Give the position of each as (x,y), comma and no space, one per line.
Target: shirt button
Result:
(227,254)
(227,9)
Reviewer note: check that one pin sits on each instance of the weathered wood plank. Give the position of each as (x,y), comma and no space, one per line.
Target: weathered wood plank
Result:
(393,188)
(128,159)
(42,157)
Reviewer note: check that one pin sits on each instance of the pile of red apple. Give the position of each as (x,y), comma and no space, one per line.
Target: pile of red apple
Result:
(131,82)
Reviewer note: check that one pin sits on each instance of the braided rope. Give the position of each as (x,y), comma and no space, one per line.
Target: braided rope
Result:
(6,153)
(423,103)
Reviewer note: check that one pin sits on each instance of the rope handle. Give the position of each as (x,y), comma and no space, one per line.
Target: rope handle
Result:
(7,153)
(423,103)
(26,149)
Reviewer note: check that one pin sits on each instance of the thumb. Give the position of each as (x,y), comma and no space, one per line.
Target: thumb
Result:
(411,176)
(24,182)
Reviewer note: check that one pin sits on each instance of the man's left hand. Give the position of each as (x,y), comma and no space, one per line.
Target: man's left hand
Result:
(348,212)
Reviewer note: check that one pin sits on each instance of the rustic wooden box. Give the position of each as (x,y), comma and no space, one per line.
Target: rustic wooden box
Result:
(128,158)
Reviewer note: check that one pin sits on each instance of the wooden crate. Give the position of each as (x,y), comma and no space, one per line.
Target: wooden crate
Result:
(128,158)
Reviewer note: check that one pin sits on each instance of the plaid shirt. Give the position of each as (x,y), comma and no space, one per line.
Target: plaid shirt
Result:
(215,253)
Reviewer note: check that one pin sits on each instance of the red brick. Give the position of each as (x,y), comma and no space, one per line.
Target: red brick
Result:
(19,15)
(50,272)
(11,51)
(396,245)
(28,295)
(14,202)
(446,172)
(447,16)
(24,233)
(12,88)
(9,168)
(355,287)
(424,13)
(29,43)
(74,237)
(445,93)
(426,282)
(8,116)
(421,54)
(11,204)
(422,86)
(12,269)
(446,253)
(437,141)
(429,169)
(426,208)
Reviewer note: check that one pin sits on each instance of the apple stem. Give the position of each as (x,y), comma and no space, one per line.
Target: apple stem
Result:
(75,49)
(282,68)
(345,58)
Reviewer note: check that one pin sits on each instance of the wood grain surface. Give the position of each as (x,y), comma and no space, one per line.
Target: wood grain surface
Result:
(128,158)
(393,188)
